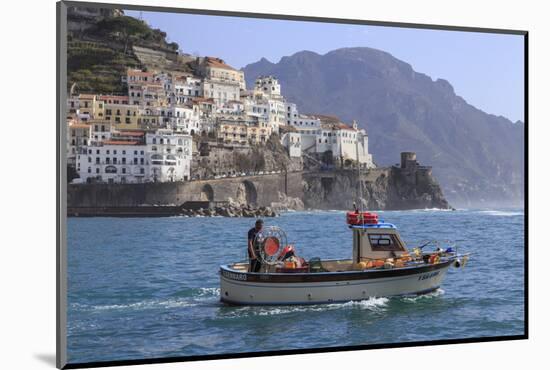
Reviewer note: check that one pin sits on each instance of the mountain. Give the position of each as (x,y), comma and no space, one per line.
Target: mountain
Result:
(477,157)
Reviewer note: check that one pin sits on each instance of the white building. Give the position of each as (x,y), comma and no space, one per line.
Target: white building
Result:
(181,118)
(268,86)
(291,113)
(162,156)
(221,91)
(169,156)
(277,114)
(293,142)
(320,134)
(256,108)
(185,89)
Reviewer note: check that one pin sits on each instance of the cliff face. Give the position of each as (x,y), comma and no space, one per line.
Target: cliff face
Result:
(214,159)
(382,188)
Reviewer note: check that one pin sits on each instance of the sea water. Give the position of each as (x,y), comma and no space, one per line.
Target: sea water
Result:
(149,287)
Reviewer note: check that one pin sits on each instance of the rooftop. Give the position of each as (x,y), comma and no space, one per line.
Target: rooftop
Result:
(86,96)
(325,118)
(137,72)
(217,63)
(120,142)
(131,133)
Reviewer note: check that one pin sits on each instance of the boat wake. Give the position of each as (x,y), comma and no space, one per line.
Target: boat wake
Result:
(373,304)
(138,306)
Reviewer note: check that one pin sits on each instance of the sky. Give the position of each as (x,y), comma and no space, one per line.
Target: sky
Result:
(485,69)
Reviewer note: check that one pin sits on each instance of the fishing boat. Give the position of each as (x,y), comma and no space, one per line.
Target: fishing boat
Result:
(381,266)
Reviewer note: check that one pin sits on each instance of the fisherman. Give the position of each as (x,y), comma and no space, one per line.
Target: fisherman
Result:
(253,250)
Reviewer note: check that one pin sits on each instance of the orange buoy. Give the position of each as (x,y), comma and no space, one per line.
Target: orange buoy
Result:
(434,258)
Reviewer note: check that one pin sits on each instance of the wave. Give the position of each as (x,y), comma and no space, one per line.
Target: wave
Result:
(502,213)
(428,210)
(373,303)
(422,297)
(143,305)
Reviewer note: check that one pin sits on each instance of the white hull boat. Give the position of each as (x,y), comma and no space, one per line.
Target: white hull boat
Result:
(381,267)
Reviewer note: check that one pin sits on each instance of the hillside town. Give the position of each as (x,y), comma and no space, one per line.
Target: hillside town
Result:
(156,131)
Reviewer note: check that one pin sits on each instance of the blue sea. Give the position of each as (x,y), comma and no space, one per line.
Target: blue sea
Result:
(148,287)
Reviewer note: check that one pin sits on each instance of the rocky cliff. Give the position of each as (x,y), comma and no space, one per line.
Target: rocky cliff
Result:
(216,159)
(378,189)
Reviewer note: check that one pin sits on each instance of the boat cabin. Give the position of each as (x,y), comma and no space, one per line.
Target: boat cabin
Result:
(376,242)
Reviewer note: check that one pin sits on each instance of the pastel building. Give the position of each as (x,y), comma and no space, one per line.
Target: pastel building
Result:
(215,69)
(123,116)
(85,107)
(136,79)
(242,130)
(78,136)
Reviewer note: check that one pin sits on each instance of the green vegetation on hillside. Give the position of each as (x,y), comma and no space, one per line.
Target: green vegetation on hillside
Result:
(99,55)
(96,67)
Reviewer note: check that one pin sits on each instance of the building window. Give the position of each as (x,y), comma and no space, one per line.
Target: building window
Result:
(124,170)
(124,160)
(89,169)
(110,169)
(96,160)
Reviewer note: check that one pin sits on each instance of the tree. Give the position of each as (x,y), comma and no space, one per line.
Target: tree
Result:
(126,28)
(174,46)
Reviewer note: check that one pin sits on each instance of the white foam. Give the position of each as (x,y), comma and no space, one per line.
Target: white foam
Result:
(143,305)
(373,303)
(209,292)
(502,213)
(435,293)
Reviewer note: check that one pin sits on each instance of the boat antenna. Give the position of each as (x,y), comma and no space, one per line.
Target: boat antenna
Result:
(358,168)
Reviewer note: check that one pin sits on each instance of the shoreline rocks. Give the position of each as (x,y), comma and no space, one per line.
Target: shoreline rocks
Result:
(231,210)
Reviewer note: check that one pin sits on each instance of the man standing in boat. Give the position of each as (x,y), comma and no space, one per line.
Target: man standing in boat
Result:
(253,248)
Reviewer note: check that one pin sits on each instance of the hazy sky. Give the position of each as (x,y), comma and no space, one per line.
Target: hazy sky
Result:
(485,69)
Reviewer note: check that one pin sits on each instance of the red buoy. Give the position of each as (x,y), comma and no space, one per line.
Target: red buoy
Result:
(361,218)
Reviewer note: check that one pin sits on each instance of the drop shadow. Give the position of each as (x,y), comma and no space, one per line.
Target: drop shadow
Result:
(47,358)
